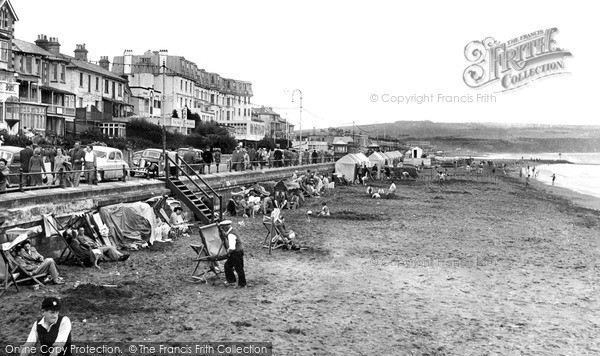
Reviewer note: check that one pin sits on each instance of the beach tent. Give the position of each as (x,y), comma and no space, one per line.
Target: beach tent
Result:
(347,165)
(129,224)
(378,159)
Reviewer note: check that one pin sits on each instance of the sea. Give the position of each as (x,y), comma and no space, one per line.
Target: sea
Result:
(582,176)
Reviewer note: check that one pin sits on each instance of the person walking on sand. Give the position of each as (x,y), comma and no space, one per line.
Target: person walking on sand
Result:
(52,331)
(553,178)
(235,256)
(527,181)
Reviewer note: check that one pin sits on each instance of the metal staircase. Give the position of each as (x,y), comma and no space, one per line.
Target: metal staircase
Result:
(183,182)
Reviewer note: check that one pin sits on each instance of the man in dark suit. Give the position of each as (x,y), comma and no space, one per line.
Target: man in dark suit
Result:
(207,156)
(26,155)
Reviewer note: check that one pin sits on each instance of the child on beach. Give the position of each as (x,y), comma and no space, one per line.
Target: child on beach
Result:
(324,210)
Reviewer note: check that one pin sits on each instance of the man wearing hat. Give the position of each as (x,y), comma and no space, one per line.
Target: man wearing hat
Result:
(235,256)
(52,332)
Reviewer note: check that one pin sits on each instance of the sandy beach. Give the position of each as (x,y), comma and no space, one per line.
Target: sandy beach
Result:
(464,268)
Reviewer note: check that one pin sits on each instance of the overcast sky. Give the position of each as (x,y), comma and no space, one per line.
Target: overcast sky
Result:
(341,54)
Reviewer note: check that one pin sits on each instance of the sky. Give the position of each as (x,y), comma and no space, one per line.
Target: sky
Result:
(353,61)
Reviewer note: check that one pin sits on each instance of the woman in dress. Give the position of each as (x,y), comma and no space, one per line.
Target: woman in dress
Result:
(36,166)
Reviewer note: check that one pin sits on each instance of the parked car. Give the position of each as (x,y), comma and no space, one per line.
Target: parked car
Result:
(110,163)
(198,157)
(12,155)
(135,160)
(147,158)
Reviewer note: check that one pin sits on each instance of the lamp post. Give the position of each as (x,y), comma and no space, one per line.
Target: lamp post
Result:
(162,113)
(294,92)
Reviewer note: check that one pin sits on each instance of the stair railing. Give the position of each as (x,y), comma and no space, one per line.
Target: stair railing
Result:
(196,175)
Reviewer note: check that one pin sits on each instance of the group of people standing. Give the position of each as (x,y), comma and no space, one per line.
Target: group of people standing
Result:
(250,158)
(203,160)
(66,168)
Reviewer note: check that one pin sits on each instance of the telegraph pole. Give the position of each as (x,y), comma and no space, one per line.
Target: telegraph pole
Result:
(294,92)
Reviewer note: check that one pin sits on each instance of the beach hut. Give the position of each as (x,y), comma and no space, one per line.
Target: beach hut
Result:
(347,165)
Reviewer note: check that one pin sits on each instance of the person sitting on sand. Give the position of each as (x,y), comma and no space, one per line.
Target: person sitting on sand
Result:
(324,210)
(178,222)
(392,188)
(161,230)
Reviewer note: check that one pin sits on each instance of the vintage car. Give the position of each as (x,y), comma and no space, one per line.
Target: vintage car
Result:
(110,163)
(135,159)
(151,160)
(13,156)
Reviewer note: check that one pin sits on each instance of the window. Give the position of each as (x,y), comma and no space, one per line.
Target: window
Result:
(89,83)
(62,72)
(120,89)
(181,84)
(113,89)
(112,156)
(97,84)
(81,80)
(4,18)
(55,72)
(28,65)
(106,86)
(80,99)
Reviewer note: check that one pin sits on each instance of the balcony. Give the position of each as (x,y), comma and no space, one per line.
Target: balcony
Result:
(61,110)
(81,114)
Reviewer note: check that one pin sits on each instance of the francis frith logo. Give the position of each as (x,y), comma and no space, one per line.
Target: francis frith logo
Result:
(514,63)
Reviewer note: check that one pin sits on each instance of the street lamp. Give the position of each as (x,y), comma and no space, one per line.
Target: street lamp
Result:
(294,92)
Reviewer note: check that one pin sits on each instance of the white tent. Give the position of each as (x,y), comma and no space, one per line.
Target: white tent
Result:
(347,165)
(378,159)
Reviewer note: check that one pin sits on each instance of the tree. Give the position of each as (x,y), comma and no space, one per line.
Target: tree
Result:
(266,142)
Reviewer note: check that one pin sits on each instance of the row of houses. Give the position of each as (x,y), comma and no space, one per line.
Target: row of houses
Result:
(45,90)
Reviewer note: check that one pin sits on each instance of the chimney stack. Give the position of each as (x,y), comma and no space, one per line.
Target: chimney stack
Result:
(80,52)
(163,55)
(42,42)
(128,62)
(104,62)
(53,45)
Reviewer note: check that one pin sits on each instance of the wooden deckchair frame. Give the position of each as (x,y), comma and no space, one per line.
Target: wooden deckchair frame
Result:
(203,253)
(12,268)
(68,249)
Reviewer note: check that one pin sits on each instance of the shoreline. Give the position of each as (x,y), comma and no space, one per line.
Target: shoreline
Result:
(583,200)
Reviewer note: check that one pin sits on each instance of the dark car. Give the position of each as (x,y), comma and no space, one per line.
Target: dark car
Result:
(12,155)
(149,157)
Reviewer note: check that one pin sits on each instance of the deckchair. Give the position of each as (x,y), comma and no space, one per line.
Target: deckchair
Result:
(13,272)
(213,249)
(55,228)
(277,235)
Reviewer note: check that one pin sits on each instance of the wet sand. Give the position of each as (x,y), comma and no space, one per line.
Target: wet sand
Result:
(464,268)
